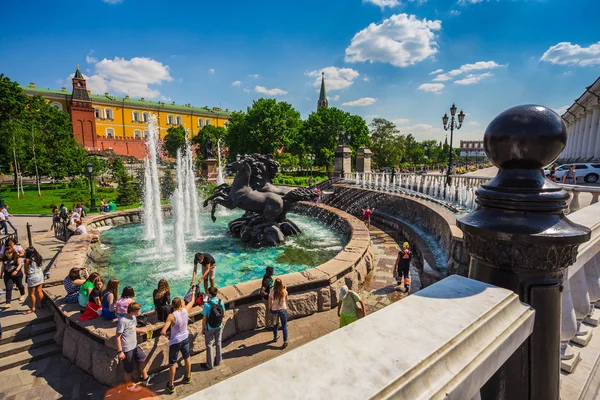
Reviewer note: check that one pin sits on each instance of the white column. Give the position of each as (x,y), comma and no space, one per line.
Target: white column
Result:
(586,135)
(580,125)
(596,131)
(569,145)
(574,137)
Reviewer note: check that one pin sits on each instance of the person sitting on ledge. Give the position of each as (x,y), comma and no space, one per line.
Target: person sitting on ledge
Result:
(109,299)
(94,305)
(73,283)
(86,290)
(81,228)
(127,296)
(162,300)
(112,207)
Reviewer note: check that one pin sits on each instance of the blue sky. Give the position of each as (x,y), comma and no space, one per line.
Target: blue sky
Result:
(378,55)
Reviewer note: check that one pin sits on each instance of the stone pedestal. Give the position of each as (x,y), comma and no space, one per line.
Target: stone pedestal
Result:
(209,169)
(343,161)
(363,159)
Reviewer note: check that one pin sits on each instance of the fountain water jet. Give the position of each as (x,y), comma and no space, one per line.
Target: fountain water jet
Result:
(153,217)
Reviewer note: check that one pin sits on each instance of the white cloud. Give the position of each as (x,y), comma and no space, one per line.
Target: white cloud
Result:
(335,78)
(90,59)
(479,65)
(269,92)
(130,77)
(113,1)
(400,40)
(255,76)
(236,83)
(166,99)
(401,121)
(466,2)
(335,98)
(383,3)
(366,78)
(454,12)
(472,79)
(247,90)
(420,131)
(307,98)
(431,87)
(211,71)
(473,123)
(437,71)
(561,110)
(567,53)
(364,101)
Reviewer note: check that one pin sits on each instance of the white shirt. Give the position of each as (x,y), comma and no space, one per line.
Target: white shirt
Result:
(74,216)
(5,212)
(81,230)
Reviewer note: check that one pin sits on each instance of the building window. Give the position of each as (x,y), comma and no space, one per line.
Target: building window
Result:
(207,121)
(170,120)
(56,105)
(145,117)
(145,134)
(137,134)
(136,116)
(98,112)
(110,133)
(178,120)
(200,122)
(108,113)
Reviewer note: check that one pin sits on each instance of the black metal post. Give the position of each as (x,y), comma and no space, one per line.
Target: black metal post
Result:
(28,225)
(449,172)
(520,239)
(92,198)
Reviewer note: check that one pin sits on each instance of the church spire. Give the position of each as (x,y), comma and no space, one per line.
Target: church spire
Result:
(323,96)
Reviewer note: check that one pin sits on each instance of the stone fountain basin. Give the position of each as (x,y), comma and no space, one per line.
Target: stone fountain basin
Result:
(311,291)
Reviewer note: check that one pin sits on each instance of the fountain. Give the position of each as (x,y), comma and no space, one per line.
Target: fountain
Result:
(220,179)
(179,212)
(153,217)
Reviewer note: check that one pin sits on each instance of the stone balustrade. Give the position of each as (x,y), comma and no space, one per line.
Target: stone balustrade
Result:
(443,342)
(310,291)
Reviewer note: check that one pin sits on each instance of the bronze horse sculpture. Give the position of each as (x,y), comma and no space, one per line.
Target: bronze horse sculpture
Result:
(266,205)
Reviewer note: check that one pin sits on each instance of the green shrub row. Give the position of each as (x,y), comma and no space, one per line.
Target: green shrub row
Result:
(297,181)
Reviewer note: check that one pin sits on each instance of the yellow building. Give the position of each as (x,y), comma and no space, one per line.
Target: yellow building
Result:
(123,120)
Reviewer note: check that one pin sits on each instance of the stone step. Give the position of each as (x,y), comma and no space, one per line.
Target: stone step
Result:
(13,318)
(9,349)
(36,353)
(34,329)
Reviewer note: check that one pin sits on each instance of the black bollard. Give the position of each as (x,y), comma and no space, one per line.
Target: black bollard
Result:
(520,239)
(28,225)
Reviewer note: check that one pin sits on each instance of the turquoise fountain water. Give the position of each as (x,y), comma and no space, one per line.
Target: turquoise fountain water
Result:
(138,263)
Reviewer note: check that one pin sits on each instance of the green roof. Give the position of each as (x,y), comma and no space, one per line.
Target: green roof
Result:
(133,102)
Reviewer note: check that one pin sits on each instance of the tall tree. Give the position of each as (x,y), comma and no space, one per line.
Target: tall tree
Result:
(12,106)
(324,128)
(386,143)
(174,140)
(267,126)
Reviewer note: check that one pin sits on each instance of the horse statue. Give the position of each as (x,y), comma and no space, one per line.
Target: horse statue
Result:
(264,222)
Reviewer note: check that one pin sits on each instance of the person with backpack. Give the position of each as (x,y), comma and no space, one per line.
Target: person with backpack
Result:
(265,288)
(212,327)
(179,341)
(402,266)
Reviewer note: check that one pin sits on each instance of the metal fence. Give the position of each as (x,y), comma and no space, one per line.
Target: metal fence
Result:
(61,230)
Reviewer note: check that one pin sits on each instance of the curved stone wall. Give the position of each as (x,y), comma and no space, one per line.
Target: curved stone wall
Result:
(416,219)
(90,344)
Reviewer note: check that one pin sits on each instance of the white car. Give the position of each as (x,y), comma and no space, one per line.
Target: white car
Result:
(585,172)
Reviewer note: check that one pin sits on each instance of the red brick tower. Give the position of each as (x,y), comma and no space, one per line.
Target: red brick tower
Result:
(82,113)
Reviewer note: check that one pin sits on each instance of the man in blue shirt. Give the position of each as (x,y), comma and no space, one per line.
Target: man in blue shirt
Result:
(212,327)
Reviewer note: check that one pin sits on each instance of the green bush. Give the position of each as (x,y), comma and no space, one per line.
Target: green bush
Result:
(79,183)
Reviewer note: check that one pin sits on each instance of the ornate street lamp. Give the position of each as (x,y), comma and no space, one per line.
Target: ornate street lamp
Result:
(90,169)
(238,157)
(453,125)
(311,159)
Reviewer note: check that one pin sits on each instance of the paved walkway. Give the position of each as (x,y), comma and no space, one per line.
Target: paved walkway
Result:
(56,377)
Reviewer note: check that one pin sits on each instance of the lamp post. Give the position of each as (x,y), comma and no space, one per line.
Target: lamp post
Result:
(311,159)
(238,157)
(453,125)
(90,169)
(426,157)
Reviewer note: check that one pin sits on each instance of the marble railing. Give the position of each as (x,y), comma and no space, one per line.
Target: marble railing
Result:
(580,350)
(443,342)
(576,190)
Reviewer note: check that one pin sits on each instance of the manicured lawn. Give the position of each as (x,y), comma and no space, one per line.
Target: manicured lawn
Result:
(52,194)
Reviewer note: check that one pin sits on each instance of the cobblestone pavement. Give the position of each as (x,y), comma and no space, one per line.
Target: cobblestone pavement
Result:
(56,377)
